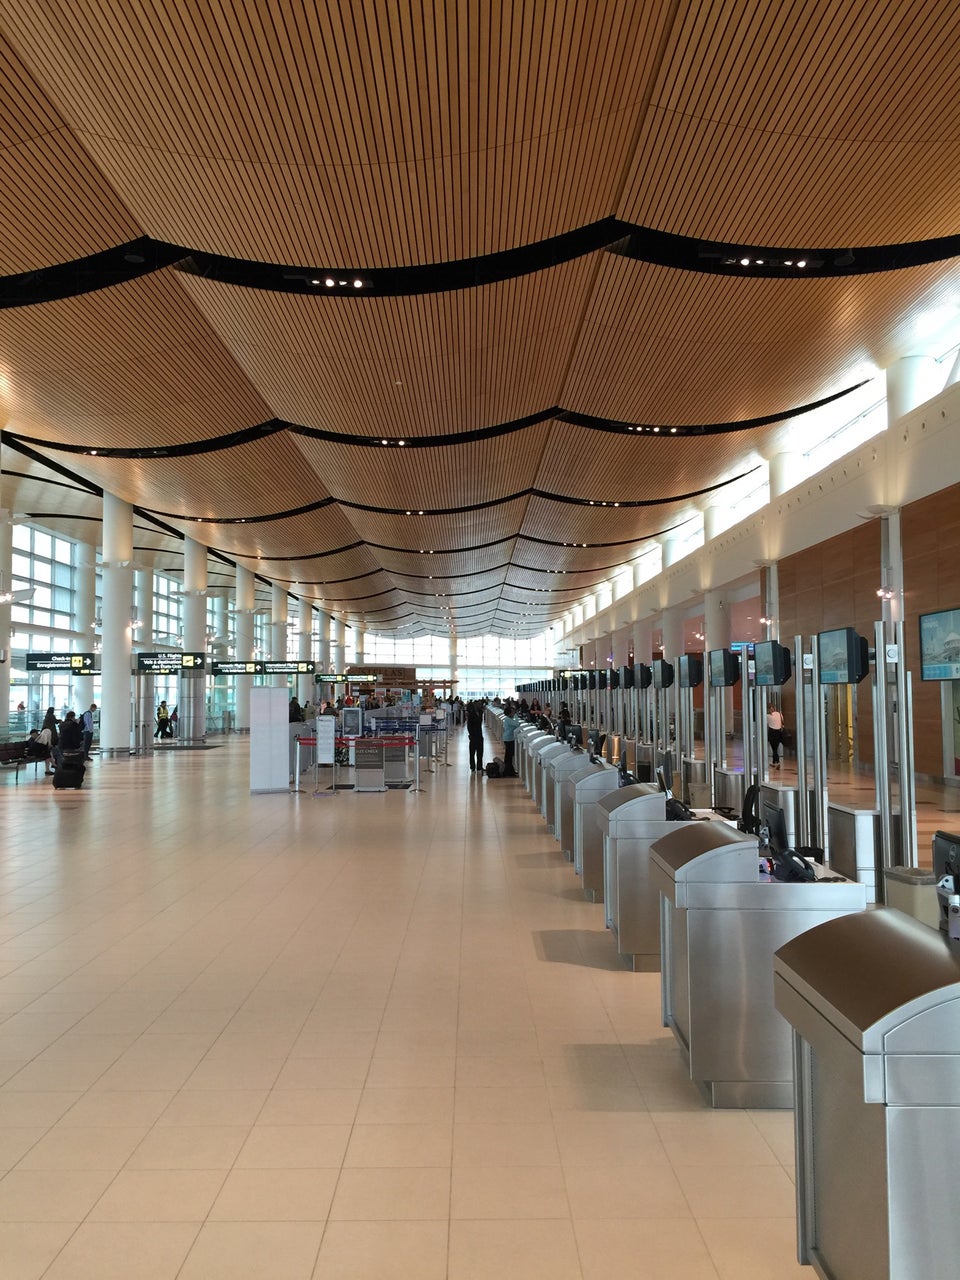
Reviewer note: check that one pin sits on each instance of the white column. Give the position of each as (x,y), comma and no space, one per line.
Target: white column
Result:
(192,701)
(305,684)
(244,604)
(337,652)
(783,472)
(143,639)
(716,631)
(671,625)
(115,680)
(911,381)
(642,642)
(712,521)
(323,644)
(672,551)
(278,630)
(6,578)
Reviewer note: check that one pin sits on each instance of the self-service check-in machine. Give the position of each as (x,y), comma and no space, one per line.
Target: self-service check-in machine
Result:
(529,752)
(538,748)
(561,768)
(589,785)
(721,919)
(568,800)
(546,791)
(874,1003)
(630,819)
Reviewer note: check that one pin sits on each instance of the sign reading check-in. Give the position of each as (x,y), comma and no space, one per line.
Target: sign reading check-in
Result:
(74,664)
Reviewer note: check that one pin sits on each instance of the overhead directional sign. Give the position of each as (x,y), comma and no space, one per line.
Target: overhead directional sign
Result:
(293,668)
(234,668)
(349,677)
(170,663)
(77,664)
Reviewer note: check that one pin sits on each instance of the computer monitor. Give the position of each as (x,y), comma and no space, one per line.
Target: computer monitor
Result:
(574,735)
(772,818)
(662,673)
(690,671)
(642,675)
(844,656)
(724,668)
(665,770)
(772,664)
(613,678)
(626,677)
(940,645)
(596,740)
(662,779)
(946,854)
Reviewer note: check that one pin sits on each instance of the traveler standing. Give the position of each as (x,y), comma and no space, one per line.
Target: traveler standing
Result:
(775,734)
(475,735)
(511,723)
(86,723)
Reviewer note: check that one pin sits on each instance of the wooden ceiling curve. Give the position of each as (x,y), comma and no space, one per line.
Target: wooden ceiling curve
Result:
(548,201)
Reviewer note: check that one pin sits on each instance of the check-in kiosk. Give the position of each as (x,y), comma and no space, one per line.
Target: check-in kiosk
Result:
(589,785)
(543,745)
(630,819)
(529,754)
(561,768)
(568,801)
(546,795)
(522,738)
(721,919)
(874,1002)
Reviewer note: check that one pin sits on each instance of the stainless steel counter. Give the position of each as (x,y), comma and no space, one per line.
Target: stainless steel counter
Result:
(720,922)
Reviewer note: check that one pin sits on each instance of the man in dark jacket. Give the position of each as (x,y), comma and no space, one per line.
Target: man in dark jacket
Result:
(475,735)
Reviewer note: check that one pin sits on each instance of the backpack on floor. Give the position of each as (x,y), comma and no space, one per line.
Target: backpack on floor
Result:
(494,769)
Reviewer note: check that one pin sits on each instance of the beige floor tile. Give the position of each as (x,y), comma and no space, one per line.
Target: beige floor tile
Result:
(77,1148)
(389,1146)
(225,1075)
(275,1195)
(624,1191)
(253,1250)
(608,1139)
(23,1110)
(778,1132)
(668,1249)
(324,1073)
(502,1104)
(209,1107)
(373,1195)
(755,1250)
(385,1105)
(738,1191)
(509,1192)
(713,1138)
(116,1110)
(44,1195)
(28,1248)
(483,1072)
(158,1195)
(189,1147)
(294,1147)
(491,1250)
(119,1250)
(310,1106)
(383,1251)
(16,1142)
(504,1144)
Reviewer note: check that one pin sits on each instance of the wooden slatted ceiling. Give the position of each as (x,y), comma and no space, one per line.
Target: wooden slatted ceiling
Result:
(54,203)
(821,124)
(464,359)
(135,365)
(392,131)
(666,346)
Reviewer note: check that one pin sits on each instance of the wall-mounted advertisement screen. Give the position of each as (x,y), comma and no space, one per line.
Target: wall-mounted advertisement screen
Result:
(940,645)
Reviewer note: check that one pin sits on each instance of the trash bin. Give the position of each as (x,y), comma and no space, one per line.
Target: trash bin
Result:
(721,919)
(874,1002)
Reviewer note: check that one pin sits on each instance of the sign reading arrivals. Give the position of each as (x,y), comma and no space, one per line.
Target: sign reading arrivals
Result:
(170,663)
(232,667)
(77,664)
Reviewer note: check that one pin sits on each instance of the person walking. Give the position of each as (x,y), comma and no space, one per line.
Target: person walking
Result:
(475,735)
(775,734)
(163,722)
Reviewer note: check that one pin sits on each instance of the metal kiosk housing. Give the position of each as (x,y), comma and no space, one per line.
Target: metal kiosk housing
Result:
(562,768)
(720,923)
(589,784)
(568,802)
(545,785)
(874,1000)
(629,821)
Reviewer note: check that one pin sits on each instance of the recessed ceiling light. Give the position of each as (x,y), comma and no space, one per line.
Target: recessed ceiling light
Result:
(329,282)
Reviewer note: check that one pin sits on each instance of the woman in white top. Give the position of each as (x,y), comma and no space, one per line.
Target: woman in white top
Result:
(775,734)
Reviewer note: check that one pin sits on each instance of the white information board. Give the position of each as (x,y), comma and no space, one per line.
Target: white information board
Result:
(326,739)
(269,740)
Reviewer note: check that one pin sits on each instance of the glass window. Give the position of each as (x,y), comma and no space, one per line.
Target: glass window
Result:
(42,544)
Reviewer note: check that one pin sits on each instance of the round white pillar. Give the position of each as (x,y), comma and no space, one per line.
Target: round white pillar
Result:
(671,550)
(305,684)
(142,638)
(192,701)
(6,578)
(712,521)
(115,679)
(244,605)
(911,380)
(337,648)
(278,630)
(783,472)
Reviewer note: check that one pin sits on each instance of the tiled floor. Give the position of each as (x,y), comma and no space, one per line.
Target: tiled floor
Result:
(294,1037)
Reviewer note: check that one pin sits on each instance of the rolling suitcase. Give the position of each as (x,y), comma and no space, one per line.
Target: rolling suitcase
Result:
(70,771)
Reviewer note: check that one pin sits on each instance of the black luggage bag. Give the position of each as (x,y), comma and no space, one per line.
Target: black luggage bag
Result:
(70,771)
